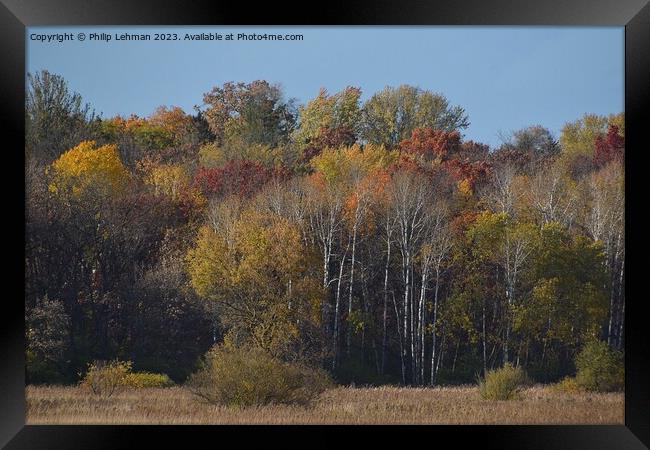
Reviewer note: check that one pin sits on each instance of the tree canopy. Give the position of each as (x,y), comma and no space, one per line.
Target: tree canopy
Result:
(366,237)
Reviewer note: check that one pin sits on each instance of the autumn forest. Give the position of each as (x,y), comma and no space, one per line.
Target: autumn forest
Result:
(367,239)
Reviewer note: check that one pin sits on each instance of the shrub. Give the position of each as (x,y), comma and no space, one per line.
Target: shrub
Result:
(247,377)
(568,385)
(104,378)
(599,368)
(147,380)
(502,384)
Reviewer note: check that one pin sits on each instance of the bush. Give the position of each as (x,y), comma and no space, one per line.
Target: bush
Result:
(247,377)
(599,368)
(104,378)
(568,385)
(502,384)
(147,380)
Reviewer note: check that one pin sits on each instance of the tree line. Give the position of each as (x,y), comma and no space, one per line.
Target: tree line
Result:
(368,238)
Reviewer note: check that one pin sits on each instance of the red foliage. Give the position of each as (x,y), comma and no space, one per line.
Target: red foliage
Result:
(610,147)
(432,144)
(282,173)
(472,171)
(329,138)
(406,164)
(240,177)
(464,161)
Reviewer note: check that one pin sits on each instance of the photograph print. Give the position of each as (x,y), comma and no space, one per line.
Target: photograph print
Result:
(324,225)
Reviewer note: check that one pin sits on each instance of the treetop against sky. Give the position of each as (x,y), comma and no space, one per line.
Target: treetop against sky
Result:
(505,78)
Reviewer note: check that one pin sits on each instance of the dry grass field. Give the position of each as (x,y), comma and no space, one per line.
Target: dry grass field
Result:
(385,405)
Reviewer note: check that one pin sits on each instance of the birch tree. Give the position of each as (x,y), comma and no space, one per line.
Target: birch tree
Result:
(605,222)
(409,198)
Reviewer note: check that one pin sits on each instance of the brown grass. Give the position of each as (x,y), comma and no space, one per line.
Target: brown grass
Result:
(385,405)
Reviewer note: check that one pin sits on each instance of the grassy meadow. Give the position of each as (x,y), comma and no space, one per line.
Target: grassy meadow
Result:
(538,404)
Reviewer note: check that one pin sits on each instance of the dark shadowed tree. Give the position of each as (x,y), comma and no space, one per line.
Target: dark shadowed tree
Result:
(48,341)
(534,139)
(56,118)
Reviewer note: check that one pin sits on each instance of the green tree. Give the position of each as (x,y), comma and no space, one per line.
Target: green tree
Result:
(255,113)
(534,139)
(390,116)
(340,111)
(508,244)
(56,118)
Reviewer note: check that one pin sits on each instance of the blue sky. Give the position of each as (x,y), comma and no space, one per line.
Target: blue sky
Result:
(506,78)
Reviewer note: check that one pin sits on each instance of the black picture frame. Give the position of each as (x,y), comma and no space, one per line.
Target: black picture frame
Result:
(15,15)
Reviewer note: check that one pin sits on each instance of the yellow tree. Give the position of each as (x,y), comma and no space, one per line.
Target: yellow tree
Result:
(167,179)
(262,278)
(87,167)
